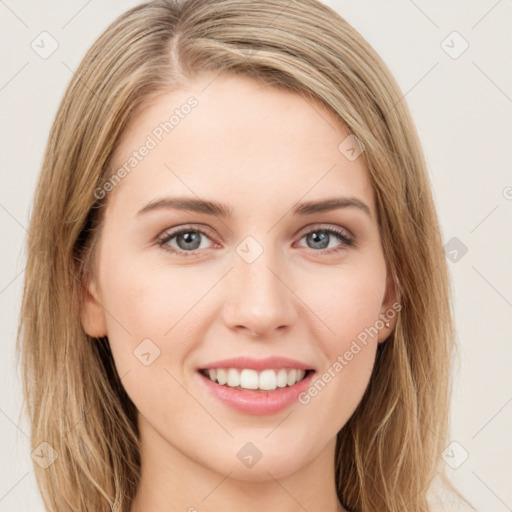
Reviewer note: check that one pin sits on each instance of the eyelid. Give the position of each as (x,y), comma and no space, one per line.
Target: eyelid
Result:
(327,227)
(185,227)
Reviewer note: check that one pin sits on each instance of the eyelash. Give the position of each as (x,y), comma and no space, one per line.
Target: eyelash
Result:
(163,240)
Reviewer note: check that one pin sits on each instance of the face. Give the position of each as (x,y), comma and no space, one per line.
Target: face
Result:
(180,290)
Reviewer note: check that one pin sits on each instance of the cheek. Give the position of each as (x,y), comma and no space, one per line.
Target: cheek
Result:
(146,299)
(349,347)
(150,322)
(349,308)
(348,301)
(153,314)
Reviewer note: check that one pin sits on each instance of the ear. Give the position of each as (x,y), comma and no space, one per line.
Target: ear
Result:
(389,309)
(92,314)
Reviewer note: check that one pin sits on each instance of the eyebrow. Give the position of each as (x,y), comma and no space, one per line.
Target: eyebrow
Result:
(221,210)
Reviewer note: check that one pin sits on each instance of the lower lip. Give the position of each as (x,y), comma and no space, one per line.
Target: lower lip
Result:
(257,403)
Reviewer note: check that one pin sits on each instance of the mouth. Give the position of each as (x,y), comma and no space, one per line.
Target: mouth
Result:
(251,380)
(256,386)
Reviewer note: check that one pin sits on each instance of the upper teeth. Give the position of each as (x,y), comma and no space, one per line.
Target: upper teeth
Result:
(252,379)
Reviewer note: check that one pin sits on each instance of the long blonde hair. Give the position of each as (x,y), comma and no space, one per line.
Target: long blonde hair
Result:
(390,450)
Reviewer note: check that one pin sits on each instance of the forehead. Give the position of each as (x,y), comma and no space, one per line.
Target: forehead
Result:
(233,138)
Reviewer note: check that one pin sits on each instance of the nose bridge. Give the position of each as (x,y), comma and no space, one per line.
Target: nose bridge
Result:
(258,296)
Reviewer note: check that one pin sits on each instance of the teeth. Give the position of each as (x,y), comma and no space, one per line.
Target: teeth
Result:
(233,378)
(282,378)
(248,378)
(266,380)
(222,376)
(292,377)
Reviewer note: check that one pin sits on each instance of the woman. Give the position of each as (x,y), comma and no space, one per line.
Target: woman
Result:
(243,300)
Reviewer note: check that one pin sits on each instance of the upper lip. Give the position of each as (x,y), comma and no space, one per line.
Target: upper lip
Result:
(268,363)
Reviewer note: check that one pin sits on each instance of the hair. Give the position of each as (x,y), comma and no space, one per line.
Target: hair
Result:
(389,451)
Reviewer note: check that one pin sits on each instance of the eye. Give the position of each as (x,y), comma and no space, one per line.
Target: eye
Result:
(320,238)
(187,239)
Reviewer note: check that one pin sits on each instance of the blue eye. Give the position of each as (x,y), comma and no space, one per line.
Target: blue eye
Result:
(189,240)
(322,236)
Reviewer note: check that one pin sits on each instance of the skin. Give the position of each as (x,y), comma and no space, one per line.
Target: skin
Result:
(260,150)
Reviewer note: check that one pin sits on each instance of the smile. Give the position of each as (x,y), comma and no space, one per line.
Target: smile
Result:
(249,379)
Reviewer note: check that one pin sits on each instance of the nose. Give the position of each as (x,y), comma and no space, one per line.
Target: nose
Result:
(260,298)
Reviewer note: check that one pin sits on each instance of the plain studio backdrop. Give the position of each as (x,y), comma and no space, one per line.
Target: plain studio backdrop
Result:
(452,62)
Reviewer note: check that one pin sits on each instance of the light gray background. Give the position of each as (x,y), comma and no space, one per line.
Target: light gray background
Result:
(462,107)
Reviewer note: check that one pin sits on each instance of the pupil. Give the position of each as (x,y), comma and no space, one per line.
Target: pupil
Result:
(190,238)
(320,238)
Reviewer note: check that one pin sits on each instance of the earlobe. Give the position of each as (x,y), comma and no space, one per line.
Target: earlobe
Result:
(389,311)
(92,315)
